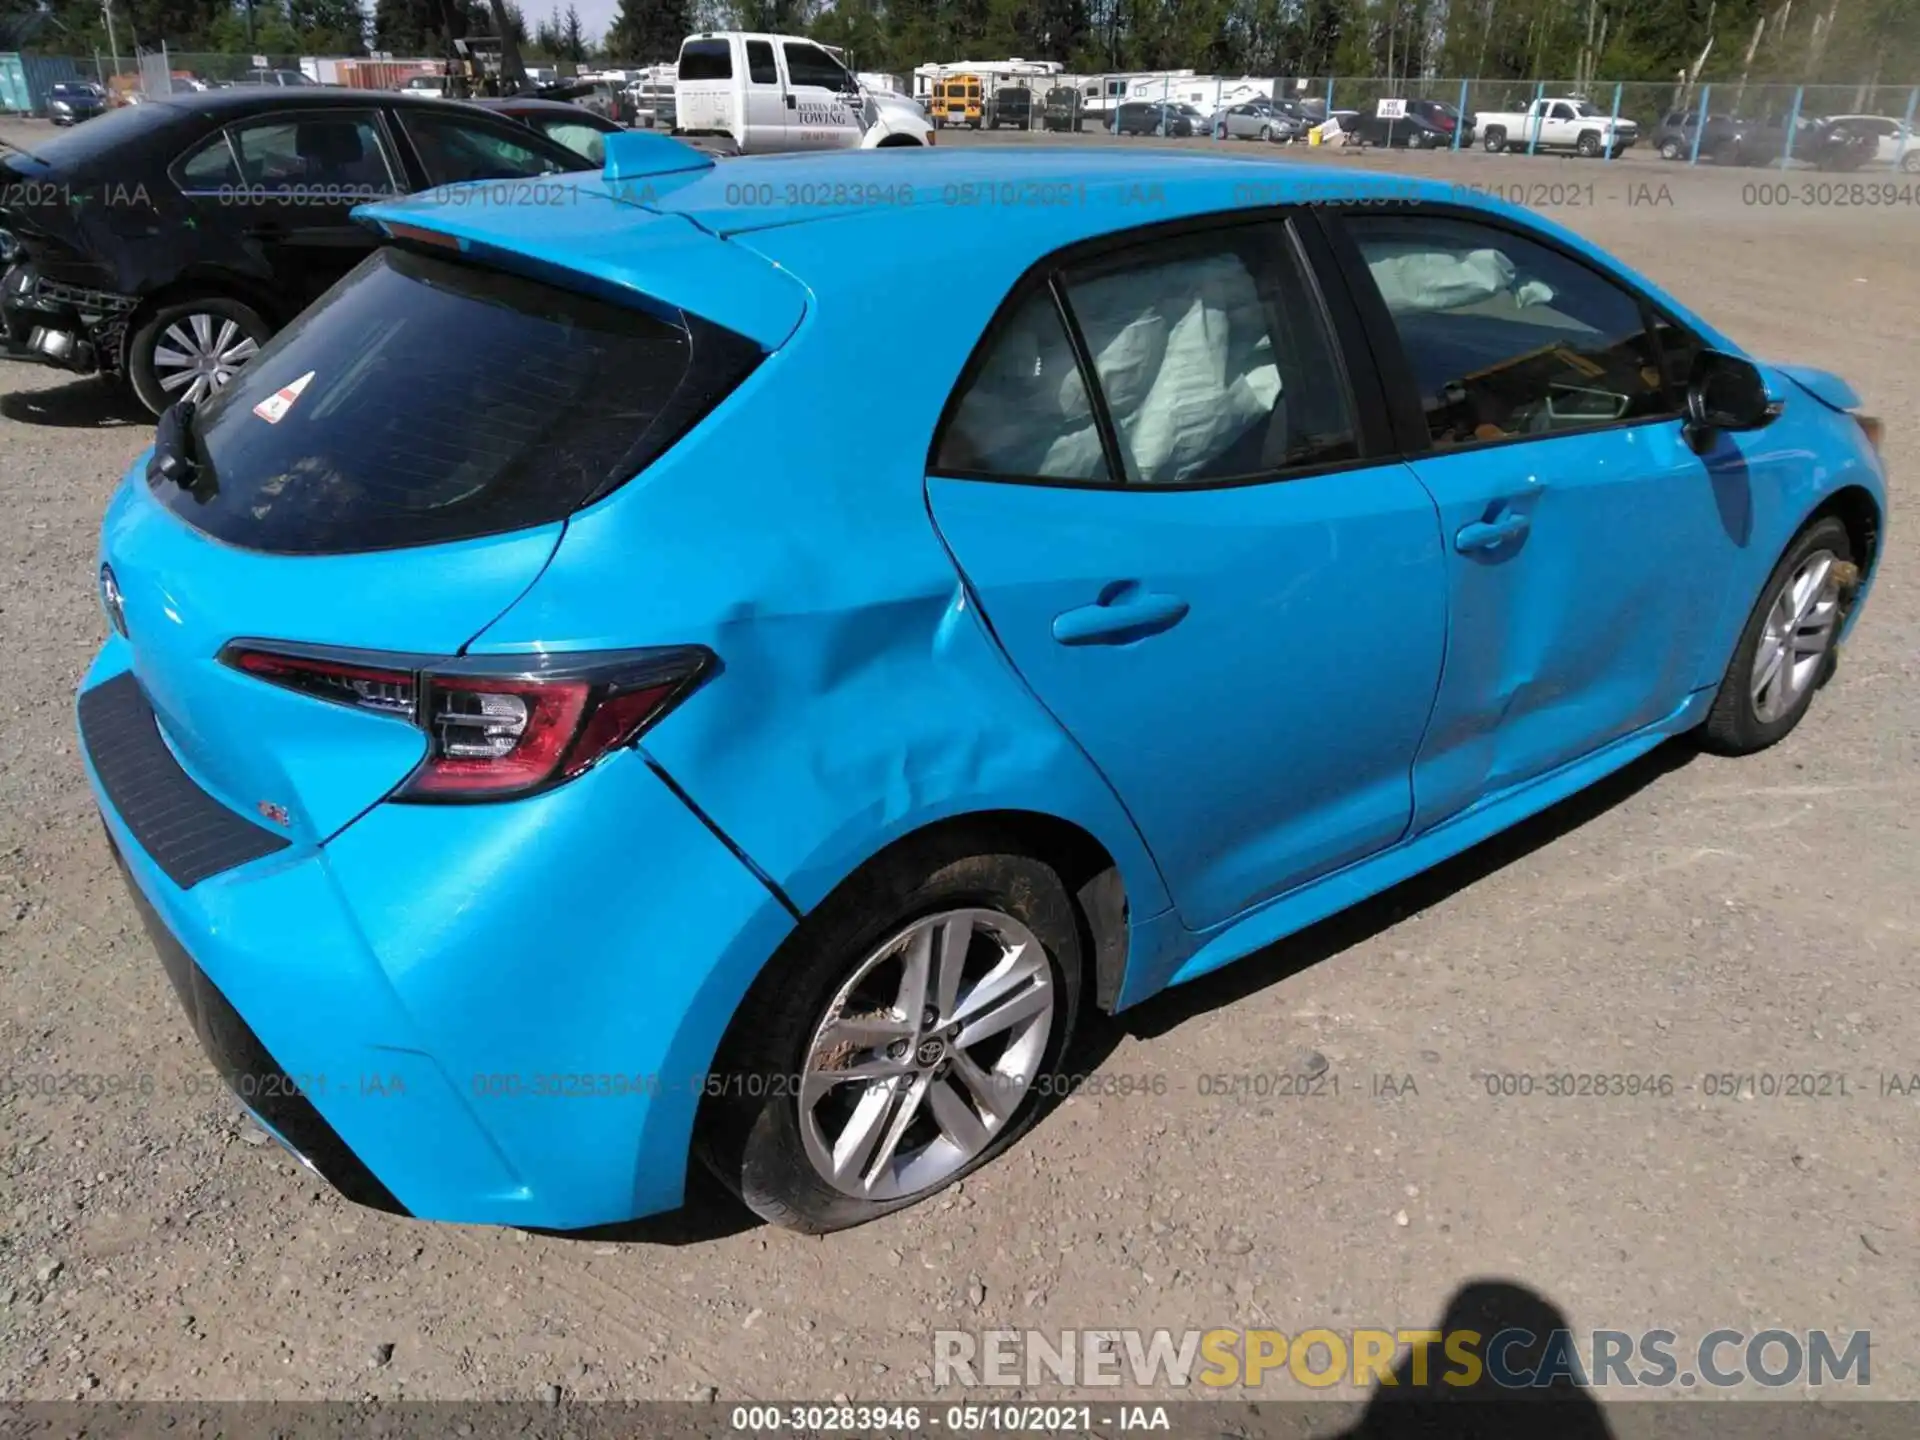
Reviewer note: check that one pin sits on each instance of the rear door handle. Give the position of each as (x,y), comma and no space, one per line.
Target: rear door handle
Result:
(1124,613)
(792,103)
(1490,534)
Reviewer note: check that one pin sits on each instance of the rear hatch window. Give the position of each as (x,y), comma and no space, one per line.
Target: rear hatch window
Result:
(424,400)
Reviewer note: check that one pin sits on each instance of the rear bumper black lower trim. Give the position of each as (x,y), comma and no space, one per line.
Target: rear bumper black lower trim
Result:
(189,834)
(253,1075)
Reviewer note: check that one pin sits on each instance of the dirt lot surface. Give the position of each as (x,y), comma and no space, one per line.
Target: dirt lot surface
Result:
(1696,916)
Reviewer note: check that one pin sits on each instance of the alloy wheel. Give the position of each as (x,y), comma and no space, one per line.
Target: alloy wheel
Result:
(1796,636)
(198,353)
(926,1053)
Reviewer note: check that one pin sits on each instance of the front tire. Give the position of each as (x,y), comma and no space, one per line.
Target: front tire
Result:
(1786,651)
(1588,144)
(914,1010)
(189,349)
(1910,162)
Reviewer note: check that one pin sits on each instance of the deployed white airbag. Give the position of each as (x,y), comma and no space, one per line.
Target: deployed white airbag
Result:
(1426,280)
(1177,351)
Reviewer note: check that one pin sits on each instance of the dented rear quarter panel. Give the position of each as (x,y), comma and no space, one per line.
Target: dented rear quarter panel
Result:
(858,696)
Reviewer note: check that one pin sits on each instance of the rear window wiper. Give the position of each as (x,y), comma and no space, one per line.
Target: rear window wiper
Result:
(173,458)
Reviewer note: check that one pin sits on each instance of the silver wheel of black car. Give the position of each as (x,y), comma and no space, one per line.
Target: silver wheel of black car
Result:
(188,350)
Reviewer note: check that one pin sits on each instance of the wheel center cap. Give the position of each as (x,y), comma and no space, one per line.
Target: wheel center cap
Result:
(930,1051)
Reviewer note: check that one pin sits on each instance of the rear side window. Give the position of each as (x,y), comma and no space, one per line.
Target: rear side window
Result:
(423,400)
(1025,413)
(761,69)
(454,149)
(1214,359)
(706,60)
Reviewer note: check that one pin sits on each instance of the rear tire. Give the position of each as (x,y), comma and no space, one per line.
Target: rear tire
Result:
(1790,637)
(775,1144)
(188,349)
(1910,162)
(1496,140)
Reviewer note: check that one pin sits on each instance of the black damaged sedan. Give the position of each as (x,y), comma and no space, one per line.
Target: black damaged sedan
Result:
(164,243)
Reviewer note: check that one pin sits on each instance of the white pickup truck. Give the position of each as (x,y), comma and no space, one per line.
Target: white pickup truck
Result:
(784,92)
(1562,123)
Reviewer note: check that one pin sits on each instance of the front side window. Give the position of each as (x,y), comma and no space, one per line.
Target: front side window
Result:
(340,150)
(1507,337)
(453,150)
(810,65)
(1213,357)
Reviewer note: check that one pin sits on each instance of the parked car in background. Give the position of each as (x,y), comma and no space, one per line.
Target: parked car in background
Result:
(425,85)
(610,101)
(580,129)
(166,242)
(282,78)
(1719,138)
(1064,111)
(1010,105)
(1158,117)
(784,92)
(1893,144)
(1447,117)
(71,101)
(1257,119)
(653,106)
(1560,123)
(1421,125)
(435,747)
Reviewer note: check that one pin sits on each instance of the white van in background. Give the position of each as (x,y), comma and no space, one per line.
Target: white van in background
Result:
(784,92)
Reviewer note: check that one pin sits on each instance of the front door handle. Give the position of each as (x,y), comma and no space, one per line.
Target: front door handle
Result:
(1124,613)
(792,103)
(1490,534)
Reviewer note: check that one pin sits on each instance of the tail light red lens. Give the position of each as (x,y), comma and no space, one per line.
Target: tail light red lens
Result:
(496,726)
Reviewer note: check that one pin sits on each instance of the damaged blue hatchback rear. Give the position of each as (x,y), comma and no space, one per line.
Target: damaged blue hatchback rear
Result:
(588,697)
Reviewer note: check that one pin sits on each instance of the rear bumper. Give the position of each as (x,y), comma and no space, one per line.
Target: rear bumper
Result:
(496,1014)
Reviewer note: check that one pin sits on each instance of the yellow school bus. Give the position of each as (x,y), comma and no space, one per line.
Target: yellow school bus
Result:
(956,101)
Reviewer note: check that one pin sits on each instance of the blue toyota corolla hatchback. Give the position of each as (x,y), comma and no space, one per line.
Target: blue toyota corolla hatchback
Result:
(731,662)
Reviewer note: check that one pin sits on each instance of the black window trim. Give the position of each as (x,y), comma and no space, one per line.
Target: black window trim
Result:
(396,168)
(1403,393)
(1346,337)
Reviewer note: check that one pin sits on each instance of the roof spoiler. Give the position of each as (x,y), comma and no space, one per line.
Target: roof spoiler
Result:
(639,154)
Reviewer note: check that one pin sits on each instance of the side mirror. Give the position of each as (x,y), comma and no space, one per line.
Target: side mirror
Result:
(1727,392)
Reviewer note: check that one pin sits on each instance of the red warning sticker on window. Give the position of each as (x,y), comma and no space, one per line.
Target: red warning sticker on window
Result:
(274,408)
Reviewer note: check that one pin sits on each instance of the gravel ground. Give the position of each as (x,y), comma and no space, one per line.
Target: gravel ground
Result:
(1693,916)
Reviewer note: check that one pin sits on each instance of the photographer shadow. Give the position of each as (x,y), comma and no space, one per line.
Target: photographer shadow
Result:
(1517,1329)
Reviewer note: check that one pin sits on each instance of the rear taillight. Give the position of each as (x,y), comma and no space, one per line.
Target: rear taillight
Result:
(497,726)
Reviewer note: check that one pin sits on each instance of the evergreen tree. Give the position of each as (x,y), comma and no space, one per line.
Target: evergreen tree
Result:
(650,31)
